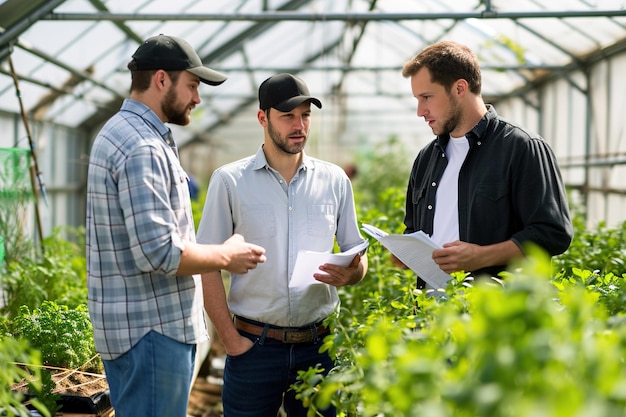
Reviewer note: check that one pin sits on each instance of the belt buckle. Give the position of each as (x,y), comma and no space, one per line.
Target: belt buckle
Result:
(295,336)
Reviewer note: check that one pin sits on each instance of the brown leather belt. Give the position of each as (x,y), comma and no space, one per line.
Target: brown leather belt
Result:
(283,334)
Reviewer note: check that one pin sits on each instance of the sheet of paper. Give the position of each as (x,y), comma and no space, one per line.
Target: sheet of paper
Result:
(415,251)
(308,263)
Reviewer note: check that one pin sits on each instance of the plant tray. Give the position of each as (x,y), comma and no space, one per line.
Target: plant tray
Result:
(98,404)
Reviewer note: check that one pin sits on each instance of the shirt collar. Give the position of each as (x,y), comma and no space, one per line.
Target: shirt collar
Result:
(481,127)
(477,131)
(260,161)
(146,113)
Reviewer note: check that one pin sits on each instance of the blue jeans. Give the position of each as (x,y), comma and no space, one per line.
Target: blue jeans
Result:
(153,379)
(255,381)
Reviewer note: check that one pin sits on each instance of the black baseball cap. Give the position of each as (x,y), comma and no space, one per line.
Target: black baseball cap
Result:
(284,92)
(171,53)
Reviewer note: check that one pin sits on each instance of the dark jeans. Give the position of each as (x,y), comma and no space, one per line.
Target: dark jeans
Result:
(255,381)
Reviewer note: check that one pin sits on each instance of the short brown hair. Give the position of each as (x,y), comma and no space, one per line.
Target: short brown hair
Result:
(140,79)
(447,62)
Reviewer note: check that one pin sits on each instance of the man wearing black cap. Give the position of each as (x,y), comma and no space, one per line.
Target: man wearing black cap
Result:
(285,201)
(145,302)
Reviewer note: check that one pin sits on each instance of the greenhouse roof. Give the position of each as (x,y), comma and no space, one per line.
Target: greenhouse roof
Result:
(68,58)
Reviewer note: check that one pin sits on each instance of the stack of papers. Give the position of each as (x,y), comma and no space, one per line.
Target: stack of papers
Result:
(415,251)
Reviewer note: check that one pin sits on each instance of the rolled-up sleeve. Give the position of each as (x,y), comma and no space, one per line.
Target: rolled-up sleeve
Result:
(148,187)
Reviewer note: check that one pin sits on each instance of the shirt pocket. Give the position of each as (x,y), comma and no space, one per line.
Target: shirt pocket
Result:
(493,191)
(321,220)
(179,197)
(258,221)
(492,199)
(179,182)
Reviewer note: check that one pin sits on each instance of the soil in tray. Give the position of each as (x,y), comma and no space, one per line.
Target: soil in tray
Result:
(80,392)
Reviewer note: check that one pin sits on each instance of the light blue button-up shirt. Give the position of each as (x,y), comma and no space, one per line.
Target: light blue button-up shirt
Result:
(251,198)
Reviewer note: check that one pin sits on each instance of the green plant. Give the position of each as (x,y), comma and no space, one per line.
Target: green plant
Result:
(58,275)
(600,249)
(63,335)
(384,168)
(548,340)
(13,353)
(524,348)
(43,391)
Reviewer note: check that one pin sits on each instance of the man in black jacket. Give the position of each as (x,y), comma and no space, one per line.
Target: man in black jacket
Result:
(484,188)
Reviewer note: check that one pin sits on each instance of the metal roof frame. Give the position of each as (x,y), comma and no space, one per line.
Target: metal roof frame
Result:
(18,17)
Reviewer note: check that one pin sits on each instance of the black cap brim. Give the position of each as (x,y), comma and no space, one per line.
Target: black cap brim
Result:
(208,76)
(292,103)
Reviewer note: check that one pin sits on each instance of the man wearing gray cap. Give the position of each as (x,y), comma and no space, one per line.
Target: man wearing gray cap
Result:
(285,201)
(144,292)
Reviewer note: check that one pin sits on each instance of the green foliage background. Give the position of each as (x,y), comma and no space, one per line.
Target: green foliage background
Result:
(45,316)
(14,351)
(550,340)
(59,274)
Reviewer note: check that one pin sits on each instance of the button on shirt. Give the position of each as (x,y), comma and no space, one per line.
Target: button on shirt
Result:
(250,198)
(509,187)
(138,213)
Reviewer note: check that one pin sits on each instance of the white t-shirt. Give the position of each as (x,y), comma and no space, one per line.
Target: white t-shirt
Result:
(446,223)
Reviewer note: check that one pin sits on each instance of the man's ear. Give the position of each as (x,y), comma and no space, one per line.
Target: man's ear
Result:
(262,117)
(160,77)
(461,87)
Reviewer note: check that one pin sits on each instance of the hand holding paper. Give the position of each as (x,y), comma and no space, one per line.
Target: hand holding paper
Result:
(308,263)
(415,251)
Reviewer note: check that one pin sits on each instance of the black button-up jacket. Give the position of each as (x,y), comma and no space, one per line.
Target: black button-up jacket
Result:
(510,187)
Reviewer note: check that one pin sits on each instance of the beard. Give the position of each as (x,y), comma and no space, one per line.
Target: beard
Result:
(453,120)
(174,111)
(283,143)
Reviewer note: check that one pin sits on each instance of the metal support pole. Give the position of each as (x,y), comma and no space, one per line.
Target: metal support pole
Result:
(35,174)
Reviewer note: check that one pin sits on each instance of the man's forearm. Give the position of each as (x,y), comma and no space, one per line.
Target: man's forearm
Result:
(216,306)
(498,254)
